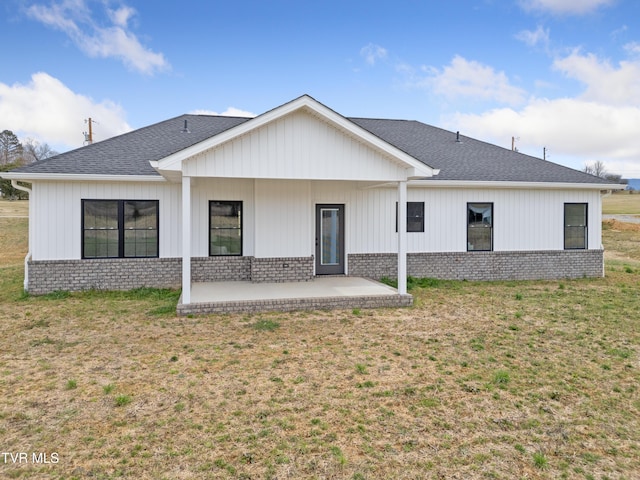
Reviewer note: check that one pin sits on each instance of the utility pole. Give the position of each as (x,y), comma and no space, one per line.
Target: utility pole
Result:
(544,153)
(88,137)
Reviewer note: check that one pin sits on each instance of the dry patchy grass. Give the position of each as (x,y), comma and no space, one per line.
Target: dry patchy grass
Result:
(478,380)
(622,241)
(14,208)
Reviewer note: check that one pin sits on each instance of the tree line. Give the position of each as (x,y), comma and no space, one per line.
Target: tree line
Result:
(14,153)
(598,169)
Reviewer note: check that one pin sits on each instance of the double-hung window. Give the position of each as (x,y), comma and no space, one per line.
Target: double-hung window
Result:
(415,216)
(575,226)
(119,228)
(479,227)
(225,227)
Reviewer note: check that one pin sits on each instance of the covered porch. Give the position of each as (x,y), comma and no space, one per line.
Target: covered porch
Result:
(289,178)
(327,292)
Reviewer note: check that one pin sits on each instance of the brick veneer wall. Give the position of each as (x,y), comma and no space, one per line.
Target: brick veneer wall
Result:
(46,276)
(215,269)
(528,265)
(283,269)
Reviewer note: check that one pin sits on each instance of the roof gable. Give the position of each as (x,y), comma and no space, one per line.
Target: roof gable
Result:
(414,168)
(299,145)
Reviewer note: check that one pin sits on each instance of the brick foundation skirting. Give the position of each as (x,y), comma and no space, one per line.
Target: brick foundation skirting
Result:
(46,276)
(291,304)
(527,265)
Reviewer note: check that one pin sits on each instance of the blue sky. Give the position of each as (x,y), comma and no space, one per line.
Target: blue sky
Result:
(560,74)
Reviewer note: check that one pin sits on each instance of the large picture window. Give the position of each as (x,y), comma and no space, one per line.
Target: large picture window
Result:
(225,228)
(119,228)
(575,226)
(415,216)
(479,227)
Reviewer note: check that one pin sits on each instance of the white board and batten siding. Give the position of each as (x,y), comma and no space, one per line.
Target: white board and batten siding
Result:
(277,219)
(523,219)
(57,208)
(279,215)
(205,190)
(297,146)
(284,216)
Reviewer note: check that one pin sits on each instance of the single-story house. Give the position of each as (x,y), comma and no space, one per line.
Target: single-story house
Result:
(301,192)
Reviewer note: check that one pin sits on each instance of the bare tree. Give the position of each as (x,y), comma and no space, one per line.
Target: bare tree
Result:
(596,168)
(35,151)
(615,178)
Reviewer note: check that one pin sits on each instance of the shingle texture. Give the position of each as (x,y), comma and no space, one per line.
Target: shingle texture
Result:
(130,154)
(467,160)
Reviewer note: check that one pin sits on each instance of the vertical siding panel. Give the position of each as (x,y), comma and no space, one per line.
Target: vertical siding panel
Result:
(58,214)
(281,218)
(220,189)
(296,146)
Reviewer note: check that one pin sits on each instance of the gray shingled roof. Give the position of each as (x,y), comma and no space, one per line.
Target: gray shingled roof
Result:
(468,160)
(130,154)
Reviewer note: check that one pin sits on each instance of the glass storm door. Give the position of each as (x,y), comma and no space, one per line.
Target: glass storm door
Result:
(329,239)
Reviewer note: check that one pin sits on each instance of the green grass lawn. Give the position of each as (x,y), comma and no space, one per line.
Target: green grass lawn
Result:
(499,380)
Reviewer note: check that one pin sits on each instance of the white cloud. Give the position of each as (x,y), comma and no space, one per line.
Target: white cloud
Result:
(570,127)
(74,18)
(538,37)
(600,123)
(633,48)
(229,112)
(47,110)
(619,31)
(372,53)
(471,79)
(565,7)
(121,15)
(604,82)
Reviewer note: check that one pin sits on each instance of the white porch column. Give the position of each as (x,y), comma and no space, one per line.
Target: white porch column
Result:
(186,240)
(402,238)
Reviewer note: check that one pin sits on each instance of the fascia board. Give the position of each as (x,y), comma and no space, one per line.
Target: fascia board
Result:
(530,185)
(416,174)
(173,161)
(416,167)
(29,177)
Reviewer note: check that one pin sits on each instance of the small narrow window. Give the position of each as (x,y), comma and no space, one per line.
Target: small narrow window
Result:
(415,216)
(225,228)
(575,226)
(479,227)
(119,228)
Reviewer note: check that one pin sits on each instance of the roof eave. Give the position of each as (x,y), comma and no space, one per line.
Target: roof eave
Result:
(30,177)
(511,184)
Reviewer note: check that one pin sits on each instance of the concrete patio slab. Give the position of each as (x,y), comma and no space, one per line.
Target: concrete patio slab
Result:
(319,293)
